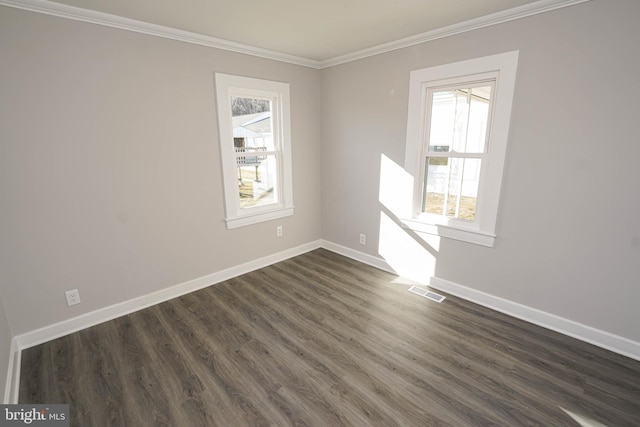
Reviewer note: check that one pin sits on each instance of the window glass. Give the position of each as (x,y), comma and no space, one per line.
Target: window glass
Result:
(451,189)
(458,118)
(257,180)
(254,147)
(253,122)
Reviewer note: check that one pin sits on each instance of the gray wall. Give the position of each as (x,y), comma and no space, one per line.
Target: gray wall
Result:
(110,178)
(569,220)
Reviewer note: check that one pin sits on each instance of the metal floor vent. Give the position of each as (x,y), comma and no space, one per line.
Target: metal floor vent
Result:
(426,293)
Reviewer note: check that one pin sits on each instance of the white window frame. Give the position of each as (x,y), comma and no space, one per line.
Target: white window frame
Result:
(501,66)
(237,86)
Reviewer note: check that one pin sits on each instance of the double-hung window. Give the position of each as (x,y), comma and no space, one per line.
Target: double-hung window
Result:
(255,146)
(457,133)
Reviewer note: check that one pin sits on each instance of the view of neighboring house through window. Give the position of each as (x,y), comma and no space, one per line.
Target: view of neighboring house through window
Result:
(255,151)
(254,129)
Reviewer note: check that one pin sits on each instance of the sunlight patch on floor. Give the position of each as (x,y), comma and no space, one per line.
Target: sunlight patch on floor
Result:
(582,420)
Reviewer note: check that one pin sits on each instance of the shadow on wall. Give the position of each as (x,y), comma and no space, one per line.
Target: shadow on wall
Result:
(411,255)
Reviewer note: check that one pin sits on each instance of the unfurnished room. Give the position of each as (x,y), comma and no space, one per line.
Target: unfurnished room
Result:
(339,213)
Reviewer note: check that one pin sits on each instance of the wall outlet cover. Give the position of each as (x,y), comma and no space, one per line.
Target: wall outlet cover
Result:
(73,297)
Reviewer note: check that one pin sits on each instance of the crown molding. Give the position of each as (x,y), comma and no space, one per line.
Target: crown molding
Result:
(519,12)
(114,21)
(106,19)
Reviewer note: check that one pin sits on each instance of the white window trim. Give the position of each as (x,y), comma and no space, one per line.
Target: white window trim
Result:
(227,85)
(481,232)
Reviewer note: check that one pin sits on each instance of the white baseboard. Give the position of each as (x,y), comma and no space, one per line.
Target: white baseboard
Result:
(597,337)
(96,317)
(358,256)
(13,374)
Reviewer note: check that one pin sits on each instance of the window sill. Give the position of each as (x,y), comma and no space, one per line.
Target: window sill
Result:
(465,235)
(241,221)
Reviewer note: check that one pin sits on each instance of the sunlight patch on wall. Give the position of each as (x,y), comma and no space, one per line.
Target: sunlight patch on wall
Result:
(403,253)
(396,188)
(412,255)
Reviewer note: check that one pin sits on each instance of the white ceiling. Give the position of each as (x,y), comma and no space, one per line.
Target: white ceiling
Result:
(316,31)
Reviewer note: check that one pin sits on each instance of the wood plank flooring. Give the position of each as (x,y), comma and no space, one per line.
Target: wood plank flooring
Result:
(322,340)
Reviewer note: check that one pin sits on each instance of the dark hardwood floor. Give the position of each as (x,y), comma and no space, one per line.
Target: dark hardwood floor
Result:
(322,340)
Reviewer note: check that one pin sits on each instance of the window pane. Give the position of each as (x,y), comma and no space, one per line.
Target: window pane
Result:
(451,189)
(257,178)
(252,139)
(459,119)
(252,123)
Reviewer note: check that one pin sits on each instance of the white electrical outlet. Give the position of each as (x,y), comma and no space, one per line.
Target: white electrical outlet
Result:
(279,231)
(73,297)
(363,239)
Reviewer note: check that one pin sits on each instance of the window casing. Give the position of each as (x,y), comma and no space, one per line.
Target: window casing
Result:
(457,131)
(255,147)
